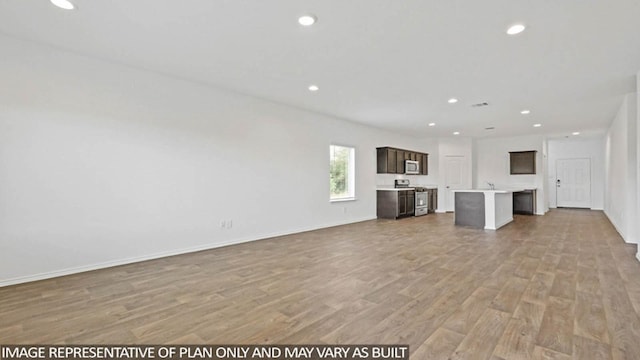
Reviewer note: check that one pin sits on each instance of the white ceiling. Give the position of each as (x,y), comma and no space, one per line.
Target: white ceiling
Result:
(387,63)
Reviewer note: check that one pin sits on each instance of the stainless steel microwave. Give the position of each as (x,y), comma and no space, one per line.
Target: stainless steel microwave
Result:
(411,167)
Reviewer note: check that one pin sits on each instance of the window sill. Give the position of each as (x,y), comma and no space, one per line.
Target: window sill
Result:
(342,200)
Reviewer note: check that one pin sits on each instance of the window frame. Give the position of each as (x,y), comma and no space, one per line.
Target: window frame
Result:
(351,173)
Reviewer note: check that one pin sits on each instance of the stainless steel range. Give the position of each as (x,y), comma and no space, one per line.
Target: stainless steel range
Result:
(422,201)
(421,197)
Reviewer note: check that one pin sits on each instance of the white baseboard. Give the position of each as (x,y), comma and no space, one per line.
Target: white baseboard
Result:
(118,262)
(615,226)
(503,223)
(628,241)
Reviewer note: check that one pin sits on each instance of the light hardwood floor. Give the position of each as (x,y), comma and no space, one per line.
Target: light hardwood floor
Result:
(558,286)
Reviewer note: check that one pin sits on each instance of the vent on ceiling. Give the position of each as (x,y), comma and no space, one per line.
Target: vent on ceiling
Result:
(489,128)
(480,104)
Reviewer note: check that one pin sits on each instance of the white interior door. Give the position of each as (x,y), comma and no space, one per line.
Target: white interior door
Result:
(573,183)
(454,176)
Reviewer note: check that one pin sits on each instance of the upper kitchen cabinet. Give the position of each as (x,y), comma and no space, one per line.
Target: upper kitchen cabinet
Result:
(522,162)
(392,160)
(388,161)
(424,164)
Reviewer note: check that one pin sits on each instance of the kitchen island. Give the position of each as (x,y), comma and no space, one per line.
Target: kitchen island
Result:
(486,209)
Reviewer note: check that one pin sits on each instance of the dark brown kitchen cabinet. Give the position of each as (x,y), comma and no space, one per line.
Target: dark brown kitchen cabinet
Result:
(388,161)
(424,164)
(407,155)
(410,202)
(395,204)
(522,162)
(402,203)
(524,202)
(391,160)
(433,199)
(400,163)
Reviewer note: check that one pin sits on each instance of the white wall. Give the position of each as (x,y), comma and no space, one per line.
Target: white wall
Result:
(101,164)
(491,164)
(638,159)
(621,203)
(545,166)
(589,148)
(632,174)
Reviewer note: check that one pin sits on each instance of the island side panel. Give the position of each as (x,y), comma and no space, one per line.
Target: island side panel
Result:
(469,209)
(490,210)
(504,209)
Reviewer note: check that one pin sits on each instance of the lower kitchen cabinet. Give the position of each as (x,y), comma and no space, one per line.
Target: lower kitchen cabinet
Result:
(393,204)
(433,199)
(524,202)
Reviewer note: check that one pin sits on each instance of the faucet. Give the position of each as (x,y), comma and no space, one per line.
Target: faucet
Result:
(492,186)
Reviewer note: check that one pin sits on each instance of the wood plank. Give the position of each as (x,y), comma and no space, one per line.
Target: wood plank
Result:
(508,298)
(538,289)
(556,330)
(549,262)
(568,263)
(537,251)
(463,320)
(590,319)
(518,340)
(588,280)
(500,276)
(541,353)
(584,348)
(482,339)
(439,345)
(564,285)
(527,268)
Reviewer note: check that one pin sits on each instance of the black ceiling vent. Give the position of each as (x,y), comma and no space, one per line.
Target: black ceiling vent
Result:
(489,128)
(480,104)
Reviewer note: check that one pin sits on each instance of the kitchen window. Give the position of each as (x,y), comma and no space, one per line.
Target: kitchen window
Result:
(342,173)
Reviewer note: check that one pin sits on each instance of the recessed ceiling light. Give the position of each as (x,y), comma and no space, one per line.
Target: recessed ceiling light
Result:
(307,20)
(456,133)
(432,124)
(537,125)
(525,112)
(63,4)
(313,88)
(515,29)
(576,133)
(452,101)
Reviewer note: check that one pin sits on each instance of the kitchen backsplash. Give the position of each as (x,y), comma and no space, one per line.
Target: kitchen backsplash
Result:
(387,180)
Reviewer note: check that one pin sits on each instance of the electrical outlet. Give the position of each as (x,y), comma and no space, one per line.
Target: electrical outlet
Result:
(223,224)
(344,209)
(229,224)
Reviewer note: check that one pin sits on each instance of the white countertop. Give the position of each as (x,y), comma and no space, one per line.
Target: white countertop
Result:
(499,190)
(395,189)
(391,188)
(496,191)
